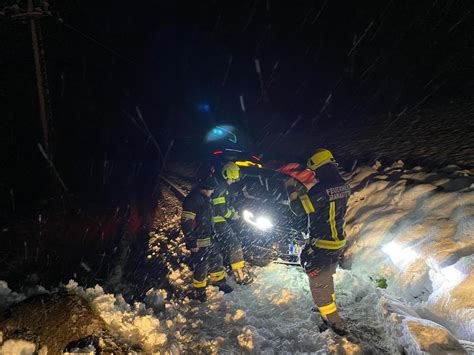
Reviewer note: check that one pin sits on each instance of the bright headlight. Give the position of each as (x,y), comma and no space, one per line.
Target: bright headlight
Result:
(261,222)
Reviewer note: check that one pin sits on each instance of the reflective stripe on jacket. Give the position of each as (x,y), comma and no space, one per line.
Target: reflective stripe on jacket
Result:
(325,204)
(222,207)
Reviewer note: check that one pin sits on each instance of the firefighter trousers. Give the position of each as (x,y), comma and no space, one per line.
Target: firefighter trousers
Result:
(320,266)
(207,261)
(230,246)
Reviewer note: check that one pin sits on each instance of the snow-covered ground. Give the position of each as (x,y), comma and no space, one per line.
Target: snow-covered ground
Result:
(270,316)
(412,228)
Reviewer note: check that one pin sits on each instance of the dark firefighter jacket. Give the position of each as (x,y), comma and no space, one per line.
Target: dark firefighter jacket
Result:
(223,211)
(325,204)
(196,220)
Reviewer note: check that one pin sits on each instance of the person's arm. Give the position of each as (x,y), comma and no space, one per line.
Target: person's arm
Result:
(223,213)
(299,202)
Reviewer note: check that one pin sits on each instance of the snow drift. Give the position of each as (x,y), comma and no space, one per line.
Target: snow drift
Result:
(416,230)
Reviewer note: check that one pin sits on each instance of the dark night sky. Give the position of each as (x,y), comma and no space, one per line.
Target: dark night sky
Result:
(372,57)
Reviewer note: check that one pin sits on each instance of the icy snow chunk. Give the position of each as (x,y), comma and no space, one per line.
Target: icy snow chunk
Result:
(388,305)
(7,296)
(285,298)
(18,346)
(155,299)
(413,334)
(178,278)
(239,314)
(248,340)
(344,346)
(88,350)
(398,164)
(180,319)
(377,165)
(431,338)
(468,346)
(131,323)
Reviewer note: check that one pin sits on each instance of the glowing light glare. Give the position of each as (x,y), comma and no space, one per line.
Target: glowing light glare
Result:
(203,107)
(400,256)
(264,223)
(261,222)
(220,133)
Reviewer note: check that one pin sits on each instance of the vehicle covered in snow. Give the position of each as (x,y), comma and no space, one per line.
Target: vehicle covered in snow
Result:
(270,231)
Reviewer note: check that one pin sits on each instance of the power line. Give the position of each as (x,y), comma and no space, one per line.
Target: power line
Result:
(95,41)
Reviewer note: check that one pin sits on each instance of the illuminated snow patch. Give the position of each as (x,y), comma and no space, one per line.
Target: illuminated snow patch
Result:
(444,278)
(452,275)
(401,257)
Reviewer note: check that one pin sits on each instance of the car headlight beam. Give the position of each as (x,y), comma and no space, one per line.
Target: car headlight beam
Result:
(262,222)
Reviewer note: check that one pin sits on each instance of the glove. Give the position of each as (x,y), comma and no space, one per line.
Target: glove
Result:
(235,215)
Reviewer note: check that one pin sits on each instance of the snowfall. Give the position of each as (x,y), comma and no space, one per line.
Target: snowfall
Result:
(408,228)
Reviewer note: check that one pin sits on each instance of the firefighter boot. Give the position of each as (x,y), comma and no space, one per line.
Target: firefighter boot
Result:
(242,277)
(334,322)
(199,294)
(223,286)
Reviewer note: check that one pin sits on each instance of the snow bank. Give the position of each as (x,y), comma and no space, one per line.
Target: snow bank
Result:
(416,229)
(7,296)
(18,346)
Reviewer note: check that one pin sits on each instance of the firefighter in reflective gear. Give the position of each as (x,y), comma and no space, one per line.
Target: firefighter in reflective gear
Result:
(197,226)
(325,204)
(224,216)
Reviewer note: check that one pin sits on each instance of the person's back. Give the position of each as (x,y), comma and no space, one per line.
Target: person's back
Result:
(329,198)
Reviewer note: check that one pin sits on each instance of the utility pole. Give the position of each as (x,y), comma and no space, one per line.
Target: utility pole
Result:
(32,15)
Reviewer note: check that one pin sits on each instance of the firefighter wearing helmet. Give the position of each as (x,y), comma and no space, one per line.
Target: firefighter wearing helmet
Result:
(223,216)
(198,229)
(325,204)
